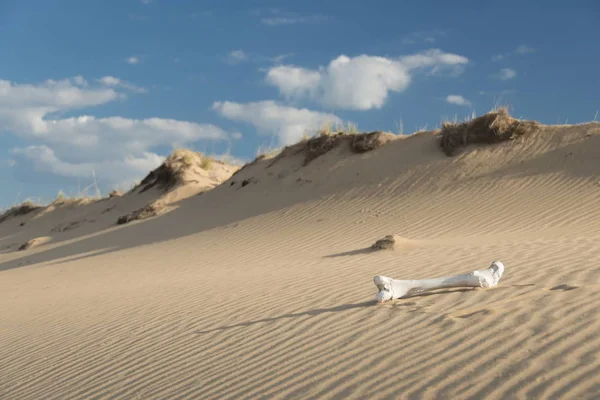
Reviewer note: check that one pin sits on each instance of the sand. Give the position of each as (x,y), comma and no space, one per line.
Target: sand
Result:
(265,290)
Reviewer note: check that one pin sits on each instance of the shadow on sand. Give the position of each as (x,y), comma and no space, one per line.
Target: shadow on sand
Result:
(315,312)
(343,307)
(366,250)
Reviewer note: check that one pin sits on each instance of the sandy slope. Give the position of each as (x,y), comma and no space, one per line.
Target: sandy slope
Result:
(265,290)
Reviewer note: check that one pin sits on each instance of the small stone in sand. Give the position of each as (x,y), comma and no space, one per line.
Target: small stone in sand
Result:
(33,243)
(387,243)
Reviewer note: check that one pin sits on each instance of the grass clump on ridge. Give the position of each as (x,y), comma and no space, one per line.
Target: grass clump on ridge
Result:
(493,127)
(170,172)
(63,200)
(327,138)
(357,142)
(206,163)
(20,209)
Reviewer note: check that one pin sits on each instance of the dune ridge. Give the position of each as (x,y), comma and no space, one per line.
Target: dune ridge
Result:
(264,289)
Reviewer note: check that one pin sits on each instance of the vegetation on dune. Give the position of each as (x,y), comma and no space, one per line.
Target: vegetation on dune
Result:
(21,209)
(493,127)
(151,210)
(172,170)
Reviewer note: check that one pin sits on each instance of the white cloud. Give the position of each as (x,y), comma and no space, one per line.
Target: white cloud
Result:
(507,74)
(236,57)
(43,159)
(457,100)
(51,95)
(80,81)
(71,145)
(132,60)
(294,81)
(111,81)
(524,49)
(272,118)
(146,2)
(497,57)
(361,82)
(434,58)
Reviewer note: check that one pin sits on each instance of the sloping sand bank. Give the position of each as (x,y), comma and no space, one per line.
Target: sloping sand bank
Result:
(264,289)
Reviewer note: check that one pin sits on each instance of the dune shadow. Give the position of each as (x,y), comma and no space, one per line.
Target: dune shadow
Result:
(312,313)
(366,250)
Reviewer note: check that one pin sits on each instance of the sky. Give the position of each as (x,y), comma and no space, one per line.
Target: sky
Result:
(99,92)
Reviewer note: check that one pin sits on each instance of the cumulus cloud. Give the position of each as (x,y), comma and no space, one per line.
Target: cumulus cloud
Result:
(289,124)
(507,74)
(457,100)
(116,146)
(361,82)
(294,81)
(497,57)
(43,159)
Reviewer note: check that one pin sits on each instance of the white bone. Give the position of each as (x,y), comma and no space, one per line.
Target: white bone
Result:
(394,288)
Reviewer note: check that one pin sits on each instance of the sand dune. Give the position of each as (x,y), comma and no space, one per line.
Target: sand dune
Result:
(262,287)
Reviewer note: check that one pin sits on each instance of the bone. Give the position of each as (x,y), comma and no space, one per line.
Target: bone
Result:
(390,289)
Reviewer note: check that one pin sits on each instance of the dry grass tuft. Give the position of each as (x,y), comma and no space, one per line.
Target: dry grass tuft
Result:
(363,142)
(115,193)
(322,144)
(358,143)
(170,172)
(206,163)
(151,210)
(18,210)
(326,140)
(61,200)
(494,127)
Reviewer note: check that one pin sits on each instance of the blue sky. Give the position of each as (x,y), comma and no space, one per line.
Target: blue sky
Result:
(113,85)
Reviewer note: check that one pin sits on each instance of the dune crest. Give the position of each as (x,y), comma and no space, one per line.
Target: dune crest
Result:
(183,174)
